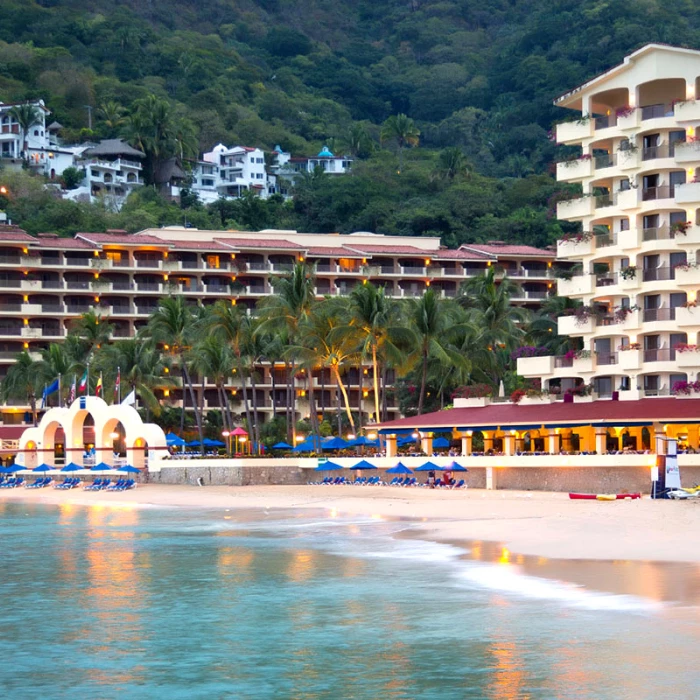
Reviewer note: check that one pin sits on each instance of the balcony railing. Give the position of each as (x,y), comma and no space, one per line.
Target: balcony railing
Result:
(606,358)
(563,361)
(148,263)
(662,233)
(603,200)
(659,355)
(664,314)
(606,160)
(658,274)
(654,152)
(656,111)
(605,122)
(79,262)
(605,240)
(606,279)
(660,192)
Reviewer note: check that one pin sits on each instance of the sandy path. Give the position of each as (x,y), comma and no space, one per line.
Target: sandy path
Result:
(543,524)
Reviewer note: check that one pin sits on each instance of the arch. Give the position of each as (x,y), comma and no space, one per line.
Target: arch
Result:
(139,453)
(111,440)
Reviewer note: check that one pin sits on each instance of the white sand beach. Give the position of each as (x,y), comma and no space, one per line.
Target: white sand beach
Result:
(530,523)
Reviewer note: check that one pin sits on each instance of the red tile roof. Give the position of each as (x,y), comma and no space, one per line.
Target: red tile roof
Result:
(64,243)
(199,245)
(135,239)
(328,251)
(392,249)
(10,233)
(663,410)
(461,254)
(259,243)
(507,249)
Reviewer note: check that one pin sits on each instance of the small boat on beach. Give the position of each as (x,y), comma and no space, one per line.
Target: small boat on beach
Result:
(604,496)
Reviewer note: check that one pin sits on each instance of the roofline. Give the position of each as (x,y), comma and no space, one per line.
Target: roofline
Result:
(631,58)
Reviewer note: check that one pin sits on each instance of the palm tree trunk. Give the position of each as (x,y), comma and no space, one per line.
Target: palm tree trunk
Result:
(313,414)
(290,430)
(274,391)
(197,416)
(244,389)
(423,381)
(32,403)
(385,411)
(375,371)
(293,402)
(342,389)
(222,405)
(256,427)
(360,384)
(182,410)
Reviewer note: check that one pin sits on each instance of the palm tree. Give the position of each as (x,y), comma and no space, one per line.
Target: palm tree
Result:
(452,162)
(291,305)
(358,141)
(112,114)
(374,318)
(172,325)
(501,324)
(324,342)
(142,367)
(26,115)
(543,328)
(23,382)
(403,131)
(58,360)
(433,324)
(214,359)
(93,330)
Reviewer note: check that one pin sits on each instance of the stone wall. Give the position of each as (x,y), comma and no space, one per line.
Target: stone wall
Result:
(230,476)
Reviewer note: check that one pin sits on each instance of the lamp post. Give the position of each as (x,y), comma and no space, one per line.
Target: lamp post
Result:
(227,436)
(242,439)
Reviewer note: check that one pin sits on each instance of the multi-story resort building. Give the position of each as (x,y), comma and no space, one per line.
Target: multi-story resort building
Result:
(47,281)
(638,249)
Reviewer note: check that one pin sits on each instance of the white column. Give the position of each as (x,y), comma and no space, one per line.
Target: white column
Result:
(553,442)
(601,437)
(391,445)
(466,445)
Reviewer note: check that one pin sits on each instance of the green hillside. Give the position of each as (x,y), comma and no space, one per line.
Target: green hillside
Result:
(479,76)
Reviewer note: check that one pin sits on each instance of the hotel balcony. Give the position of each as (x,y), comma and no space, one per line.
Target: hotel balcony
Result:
(687,111)
(688,317)
(536,366)
(688,360)
(575,170)
(688,152)
(580,285)
(576,208)
(572,326)
(575,132)
(688,193)
(687,276)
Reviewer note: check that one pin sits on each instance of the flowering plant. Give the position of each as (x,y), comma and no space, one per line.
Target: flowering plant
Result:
(685,388)
(473,391)
(578,237)
(624,111)
(680,227)
(578,355)
(684,347)
(583,313)
(517,395)
(630,346)
(629,272)
(580,390)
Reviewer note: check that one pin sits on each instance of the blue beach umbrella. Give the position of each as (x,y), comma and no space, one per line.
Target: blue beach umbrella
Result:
(335,443)
(72,467)
(13,468)
(441,442)
(363,441)
(327,467)
(399,469)
(194,443)
(364,464)
(129,469)
(173,440)
(282,446)
(43,468)
(207,442)
(429,467)
(456,467)
(101,467)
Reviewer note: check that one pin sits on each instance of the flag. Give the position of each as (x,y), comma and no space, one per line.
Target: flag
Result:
(98,388)
(130,398)
(117,385)
(48,390)
(71,396)
(83,382)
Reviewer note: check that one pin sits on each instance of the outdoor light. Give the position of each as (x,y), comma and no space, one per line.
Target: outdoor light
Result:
(300,438)
(114,435)
(243,438)
(415,436)
(225,433)
(372,436)
(351,436)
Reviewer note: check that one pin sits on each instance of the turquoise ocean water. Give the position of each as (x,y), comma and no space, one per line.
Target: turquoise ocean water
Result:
(170,603)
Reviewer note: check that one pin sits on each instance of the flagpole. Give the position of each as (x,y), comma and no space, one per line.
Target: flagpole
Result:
(87,380)
(60,397)
(43,398)
(119,385)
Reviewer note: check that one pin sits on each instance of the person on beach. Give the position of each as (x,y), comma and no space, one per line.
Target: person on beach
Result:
(431,480)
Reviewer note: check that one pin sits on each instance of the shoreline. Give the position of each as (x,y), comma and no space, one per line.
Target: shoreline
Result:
(533,524)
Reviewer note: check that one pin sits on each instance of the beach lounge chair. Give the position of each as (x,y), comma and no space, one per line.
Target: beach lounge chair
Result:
(94,486)
(35,484)
(116,485)
(458,485)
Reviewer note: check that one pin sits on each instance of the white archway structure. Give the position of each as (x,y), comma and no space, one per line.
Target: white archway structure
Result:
(141,439)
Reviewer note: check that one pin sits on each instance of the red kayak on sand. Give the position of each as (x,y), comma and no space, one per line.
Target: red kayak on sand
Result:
(596,497)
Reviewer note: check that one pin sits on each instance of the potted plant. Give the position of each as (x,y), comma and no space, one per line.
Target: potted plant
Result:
(680,228)
(629,272)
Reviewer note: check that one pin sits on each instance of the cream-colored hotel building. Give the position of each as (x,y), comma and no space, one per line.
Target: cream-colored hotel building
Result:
(637,272)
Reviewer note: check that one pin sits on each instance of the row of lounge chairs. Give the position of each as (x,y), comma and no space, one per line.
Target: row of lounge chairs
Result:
(12,483)
(70,482)
(40,483)
(377,481)
(107,485)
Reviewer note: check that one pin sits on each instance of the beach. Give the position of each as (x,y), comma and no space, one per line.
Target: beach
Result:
(542,524)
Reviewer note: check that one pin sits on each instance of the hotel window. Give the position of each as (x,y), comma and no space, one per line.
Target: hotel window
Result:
(115,256)
(624,224)
(213,261)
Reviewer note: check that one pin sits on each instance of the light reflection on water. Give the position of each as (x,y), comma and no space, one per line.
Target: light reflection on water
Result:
(149,604)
